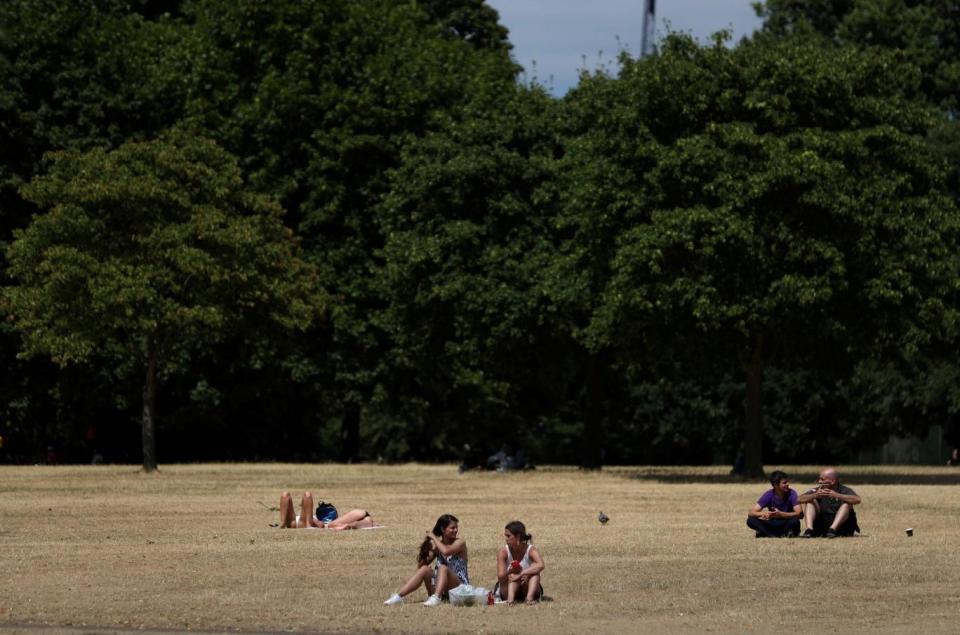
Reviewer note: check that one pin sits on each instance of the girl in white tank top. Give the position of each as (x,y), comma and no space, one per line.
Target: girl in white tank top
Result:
(519,566)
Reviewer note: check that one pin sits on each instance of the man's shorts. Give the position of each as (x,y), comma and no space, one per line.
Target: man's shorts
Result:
(822,523)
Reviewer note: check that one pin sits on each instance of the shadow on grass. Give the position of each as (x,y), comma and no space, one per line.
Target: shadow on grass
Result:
(801,479)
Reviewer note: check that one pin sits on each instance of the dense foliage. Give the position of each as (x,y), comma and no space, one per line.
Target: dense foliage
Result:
(717,247)
(776,206)
(144,253)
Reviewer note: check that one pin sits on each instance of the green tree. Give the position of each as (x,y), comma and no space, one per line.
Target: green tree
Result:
(473,337)
(803,18)
(77,75)
(320,98)
(316,100)
(147,253)
(926,35)
(474,21)
(771,204)
(925,32)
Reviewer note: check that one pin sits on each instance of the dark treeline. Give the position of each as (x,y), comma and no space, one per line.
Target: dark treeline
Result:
(324,230)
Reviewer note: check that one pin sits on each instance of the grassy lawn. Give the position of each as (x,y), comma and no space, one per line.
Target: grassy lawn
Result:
(106,547)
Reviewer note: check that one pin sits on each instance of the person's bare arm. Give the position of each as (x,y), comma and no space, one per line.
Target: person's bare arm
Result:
(452,549)
(502,566)
(850,499)
(796,513)
(536,563)
(776,513)
(759,512)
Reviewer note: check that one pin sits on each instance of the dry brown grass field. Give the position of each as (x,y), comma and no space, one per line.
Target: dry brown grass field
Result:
(87,549)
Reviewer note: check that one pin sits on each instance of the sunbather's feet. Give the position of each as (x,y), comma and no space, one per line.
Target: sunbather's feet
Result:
(394,600)
(433,600)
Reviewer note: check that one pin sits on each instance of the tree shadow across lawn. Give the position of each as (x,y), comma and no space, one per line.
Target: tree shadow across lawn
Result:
(800,476)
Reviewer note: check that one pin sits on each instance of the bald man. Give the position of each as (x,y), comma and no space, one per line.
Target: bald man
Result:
(828,507)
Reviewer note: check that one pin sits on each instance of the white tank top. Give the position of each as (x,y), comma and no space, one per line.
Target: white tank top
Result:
(524,561)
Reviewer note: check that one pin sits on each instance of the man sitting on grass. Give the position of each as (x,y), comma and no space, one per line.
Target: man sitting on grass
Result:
(828,507)
(777,512)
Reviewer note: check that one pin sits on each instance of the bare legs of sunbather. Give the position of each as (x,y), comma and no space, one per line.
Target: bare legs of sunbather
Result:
(289,520)
(353,519)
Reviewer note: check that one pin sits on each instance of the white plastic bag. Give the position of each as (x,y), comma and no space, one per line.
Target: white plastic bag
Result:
(467,595)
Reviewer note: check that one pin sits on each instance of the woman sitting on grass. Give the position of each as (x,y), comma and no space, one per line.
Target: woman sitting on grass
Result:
(519,566)
(353,519)
(448,552)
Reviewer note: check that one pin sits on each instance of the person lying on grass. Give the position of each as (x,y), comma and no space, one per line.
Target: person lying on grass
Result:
(328,517)
(519,566)
(828,507)
(443,547)
(777,512)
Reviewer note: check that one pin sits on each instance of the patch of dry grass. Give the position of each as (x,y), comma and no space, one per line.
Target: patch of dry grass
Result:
(190,548)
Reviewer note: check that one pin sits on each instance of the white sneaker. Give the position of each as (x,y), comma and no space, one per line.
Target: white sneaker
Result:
(433,600)
(394,599)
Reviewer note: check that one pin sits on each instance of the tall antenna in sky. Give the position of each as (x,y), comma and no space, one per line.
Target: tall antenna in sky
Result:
(649,27)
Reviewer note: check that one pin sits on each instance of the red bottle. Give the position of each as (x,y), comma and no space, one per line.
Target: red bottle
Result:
(490,598)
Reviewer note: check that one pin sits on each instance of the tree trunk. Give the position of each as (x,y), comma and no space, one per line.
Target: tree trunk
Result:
(591,456)
(350,433)
(753,423)
(148,432)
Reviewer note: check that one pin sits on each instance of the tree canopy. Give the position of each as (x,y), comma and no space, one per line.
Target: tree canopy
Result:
(768,204)
(343,230)
(144,253)
(925,32)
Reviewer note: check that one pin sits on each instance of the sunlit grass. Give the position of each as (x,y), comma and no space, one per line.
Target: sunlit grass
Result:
(190,547)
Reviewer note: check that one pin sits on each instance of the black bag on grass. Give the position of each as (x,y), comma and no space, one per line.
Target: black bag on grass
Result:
(326,512)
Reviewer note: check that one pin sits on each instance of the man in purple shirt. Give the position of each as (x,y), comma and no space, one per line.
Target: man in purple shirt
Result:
(777,512)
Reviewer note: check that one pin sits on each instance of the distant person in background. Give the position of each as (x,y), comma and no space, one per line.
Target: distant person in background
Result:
(329,518)
(828,507)
(954,457)
(739,463)
(505,460)
(777,512)
(447,551)
(474,457)
(519,566)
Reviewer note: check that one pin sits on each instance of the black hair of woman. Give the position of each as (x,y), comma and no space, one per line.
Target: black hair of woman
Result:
(427,552)
(517,528)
